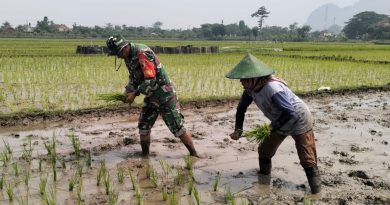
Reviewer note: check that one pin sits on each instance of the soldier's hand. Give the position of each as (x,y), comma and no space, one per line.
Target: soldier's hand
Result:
(236,134)
(130,96)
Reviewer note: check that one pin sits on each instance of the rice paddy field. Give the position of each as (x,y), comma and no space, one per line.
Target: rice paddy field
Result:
(39,75)
(95,160)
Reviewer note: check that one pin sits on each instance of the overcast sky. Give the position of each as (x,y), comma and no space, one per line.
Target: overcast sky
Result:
(173,13)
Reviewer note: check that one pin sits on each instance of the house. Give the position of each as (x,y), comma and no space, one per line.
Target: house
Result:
(61,28)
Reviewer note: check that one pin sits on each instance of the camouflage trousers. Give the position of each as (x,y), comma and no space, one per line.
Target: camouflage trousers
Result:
(163,101)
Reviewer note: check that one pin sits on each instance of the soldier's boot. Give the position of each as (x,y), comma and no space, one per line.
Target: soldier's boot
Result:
(265,166)
(186,139)
(145,144)
(314,179)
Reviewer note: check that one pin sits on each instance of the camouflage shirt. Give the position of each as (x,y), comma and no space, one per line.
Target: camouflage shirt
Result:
(146,73)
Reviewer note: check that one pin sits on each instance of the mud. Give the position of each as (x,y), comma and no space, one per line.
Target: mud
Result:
(352,134)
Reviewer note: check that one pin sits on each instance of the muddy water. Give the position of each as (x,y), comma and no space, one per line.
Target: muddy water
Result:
(352,136)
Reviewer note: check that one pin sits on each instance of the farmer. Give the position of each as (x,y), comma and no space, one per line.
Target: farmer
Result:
(148,77)
(288,114)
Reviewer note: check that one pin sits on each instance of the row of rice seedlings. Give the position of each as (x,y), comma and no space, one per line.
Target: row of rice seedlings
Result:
(76,144)
(27,151)
(101,172)
(52,154)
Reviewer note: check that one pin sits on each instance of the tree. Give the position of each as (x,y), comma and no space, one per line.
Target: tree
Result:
(261,13)
(157,25)
(360,24)
(255,32)
(45,25)
(303,32)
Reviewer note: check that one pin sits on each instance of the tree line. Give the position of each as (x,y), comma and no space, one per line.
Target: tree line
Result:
(362,26)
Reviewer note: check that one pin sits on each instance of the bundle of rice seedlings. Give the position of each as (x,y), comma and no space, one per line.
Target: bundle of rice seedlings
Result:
(113,97)
(258,134)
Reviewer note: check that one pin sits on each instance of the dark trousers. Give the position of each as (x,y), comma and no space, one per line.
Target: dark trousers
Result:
(304,144)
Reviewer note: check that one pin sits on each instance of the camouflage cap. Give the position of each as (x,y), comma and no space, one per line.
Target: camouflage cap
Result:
(116,43)
(250,67)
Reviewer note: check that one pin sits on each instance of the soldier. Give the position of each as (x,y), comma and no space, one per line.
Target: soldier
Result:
(148,77)
(288,114)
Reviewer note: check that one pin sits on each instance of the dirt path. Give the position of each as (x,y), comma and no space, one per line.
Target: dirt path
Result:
(352,135)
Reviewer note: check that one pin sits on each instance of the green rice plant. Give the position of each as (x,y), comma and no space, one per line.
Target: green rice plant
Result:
(244,202)
(307,200)
(258,134)
(7,147)
(50,199)
(229,196)
(26,176)
(196,195)
(54,172)
(23,200)
(76,144)
(15,168)
(120,174)
(154,178)
(72,182)
(63,164)
(27,152)
(10,192)
(139,197)
(190,185)
(113,197)
(80,168)
(165,167)
(173,200)
(42,185)
(188,161)
(132,179)
(179,177)
(106,182)
(164,192)
(113,97)
(88,159)
(5,156)
(101,172)
(149,170)
(216,181)
(2,181)
(40,165)
(78,193)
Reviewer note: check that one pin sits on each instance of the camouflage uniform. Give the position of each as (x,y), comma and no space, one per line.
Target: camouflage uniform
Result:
(147,76)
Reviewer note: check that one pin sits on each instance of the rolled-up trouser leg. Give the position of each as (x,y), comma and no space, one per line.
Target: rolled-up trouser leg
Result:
(305,144)
(267,150)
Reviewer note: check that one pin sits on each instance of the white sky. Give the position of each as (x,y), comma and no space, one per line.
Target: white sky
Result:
(173,13)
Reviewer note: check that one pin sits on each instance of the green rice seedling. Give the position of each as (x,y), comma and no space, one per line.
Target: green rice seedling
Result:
(229,196)
(190,185)
(7,147)
(23,200)
(2,181)
(78,193)
(165,167)
(50,199)
(259,133)
(88,159)
(10,192)
(54,172)
(27,176)
(216,181)
(40,165)
(149,170)
(76,144)
(101,172)
(244,202)
(63,164)
(179,178)
(15,168)
(27,152)
(5,156)
(154,178)
(113,97)
(132,179)
(173,200)
(188,161)
(164,192)
(113,197)
(307,200)
(80,168)
(120,175)
(138,197)
(42,185)
(196,195)
(71,183)
(106,182)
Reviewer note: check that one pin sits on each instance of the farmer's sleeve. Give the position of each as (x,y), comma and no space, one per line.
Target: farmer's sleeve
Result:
(146,60)
(245,101)
(280,100)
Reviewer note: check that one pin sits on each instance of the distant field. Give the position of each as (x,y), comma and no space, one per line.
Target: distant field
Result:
(47,74)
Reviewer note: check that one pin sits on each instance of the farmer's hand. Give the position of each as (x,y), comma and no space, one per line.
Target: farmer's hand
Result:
(236,134)
(130,96)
